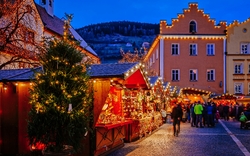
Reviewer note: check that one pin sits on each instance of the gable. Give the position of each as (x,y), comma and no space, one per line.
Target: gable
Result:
(136,80)
(180,25)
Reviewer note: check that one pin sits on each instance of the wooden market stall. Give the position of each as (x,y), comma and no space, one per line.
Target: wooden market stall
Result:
(14,107)
(191,95)
(223,99)
(119,90)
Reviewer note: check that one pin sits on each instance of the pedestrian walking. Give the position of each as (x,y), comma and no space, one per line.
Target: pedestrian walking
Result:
(176,116)
(198,108)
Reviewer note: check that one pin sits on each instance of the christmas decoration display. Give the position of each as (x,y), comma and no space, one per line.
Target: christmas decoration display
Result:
(61,98)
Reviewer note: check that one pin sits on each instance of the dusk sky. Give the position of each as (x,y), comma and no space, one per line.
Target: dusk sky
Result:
(88,12)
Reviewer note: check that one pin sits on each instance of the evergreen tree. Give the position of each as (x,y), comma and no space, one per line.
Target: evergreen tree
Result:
(61,97)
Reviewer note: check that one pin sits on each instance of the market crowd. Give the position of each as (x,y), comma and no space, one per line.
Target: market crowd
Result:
(205,114)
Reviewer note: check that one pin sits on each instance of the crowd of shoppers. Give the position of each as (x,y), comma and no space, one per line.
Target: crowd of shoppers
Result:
(205,114)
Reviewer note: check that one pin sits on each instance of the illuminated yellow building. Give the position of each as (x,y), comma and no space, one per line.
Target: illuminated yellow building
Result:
(238,58)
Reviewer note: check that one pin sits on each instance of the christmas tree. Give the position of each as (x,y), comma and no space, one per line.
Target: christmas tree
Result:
(61,97)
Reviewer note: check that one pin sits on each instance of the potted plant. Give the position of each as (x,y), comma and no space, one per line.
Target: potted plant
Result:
(61,99)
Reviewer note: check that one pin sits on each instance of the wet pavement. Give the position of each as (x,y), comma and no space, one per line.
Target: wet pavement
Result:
(225,139)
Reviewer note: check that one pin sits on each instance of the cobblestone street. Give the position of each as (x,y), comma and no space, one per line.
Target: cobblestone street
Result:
(226,138)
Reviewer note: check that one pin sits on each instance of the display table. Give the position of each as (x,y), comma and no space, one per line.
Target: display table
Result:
(132,131)
(110,137)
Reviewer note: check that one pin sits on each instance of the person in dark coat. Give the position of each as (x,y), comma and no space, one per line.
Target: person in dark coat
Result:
(176,116)
(210,115)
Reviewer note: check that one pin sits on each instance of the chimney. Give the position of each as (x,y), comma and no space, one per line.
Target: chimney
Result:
(48,5)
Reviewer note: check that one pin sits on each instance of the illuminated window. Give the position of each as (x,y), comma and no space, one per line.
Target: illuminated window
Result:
(175,74)
(210,75)
(193,49)
(175,49)
(210,49)
(238,68)
(245,48)
(193,74)
(238,87)
(192,27)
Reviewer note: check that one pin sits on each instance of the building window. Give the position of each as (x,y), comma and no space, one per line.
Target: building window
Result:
(248,88)
(238,87)
(238,69)
(193,49)
(150,61)
(157,53)
(192,27)
(244,30)
(210,75)
(44,2)
(249,69)
(210,49)
(50,3)
(193,74)
(245,48)
(175,74)
(175,49)
(153,57)
(29,36)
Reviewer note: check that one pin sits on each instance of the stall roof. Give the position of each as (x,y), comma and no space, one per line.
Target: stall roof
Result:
(166,85)
(153,80)
(25,74)
(189,90)
(130,72)
(223,96)
(110,69)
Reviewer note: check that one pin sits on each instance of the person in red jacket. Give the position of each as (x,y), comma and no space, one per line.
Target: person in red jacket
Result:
(176,116)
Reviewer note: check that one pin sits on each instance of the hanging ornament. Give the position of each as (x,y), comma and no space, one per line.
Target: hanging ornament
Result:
(70,107)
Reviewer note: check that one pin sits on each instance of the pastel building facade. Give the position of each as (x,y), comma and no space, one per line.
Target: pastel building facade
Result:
(190,52)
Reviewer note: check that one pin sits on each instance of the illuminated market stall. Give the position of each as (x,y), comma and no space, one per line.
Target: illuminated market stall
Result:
(223,99)
(191,95)
(119,91)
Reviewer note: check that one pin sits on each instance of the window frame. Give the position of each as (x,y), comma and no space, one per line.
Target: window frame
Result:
(245,48)
(194,75)
(193,49)
(239,86)
(192,27)
(175,49)
(236,65)
(210,76)
(175,74)
(210,51)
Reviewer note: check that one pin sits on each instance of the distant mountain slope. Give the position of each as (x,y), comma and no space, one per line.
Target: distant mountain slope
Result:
(124,28)
(107,38)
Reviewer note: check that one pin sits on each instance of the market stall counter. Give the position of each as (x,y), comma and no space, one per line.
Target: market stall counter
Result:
(110,136)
